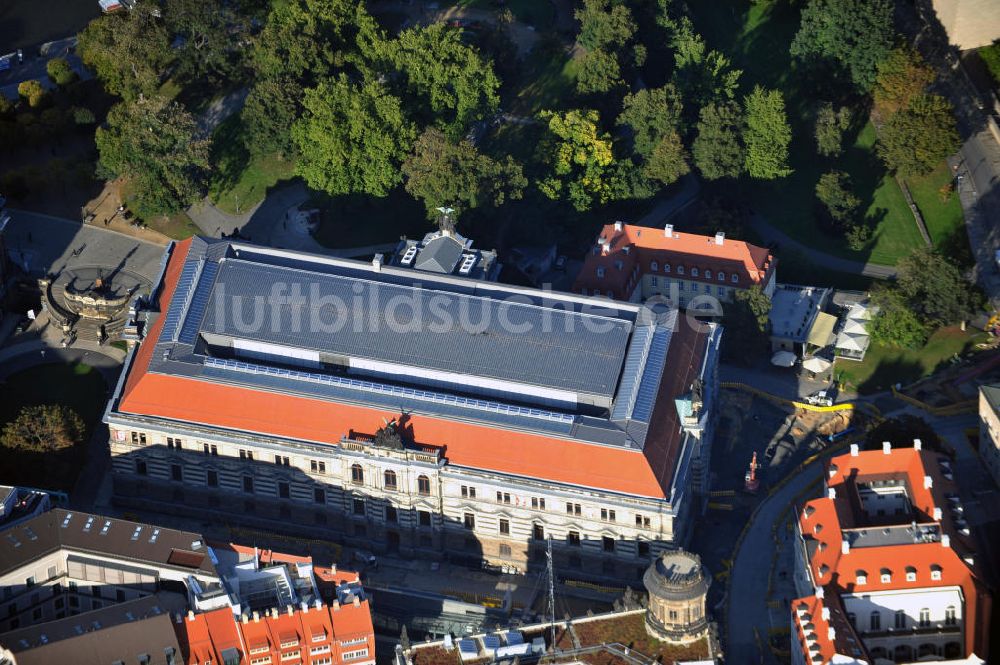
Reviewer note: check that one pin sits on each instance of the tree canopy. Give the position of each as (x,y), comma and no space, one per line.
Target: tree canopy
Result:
(651,114)
(901,78)
(581,161)
(205,30)
(746,320)
(915,140)
(352,138)
(451,79)
(126,50)
(604,23)
(155,144)
(934,288)
(767,134)
(718,150)
(830,127)
(896,325)
(702,75)
(846,38)
(271,107)
(43,428)
(445,173)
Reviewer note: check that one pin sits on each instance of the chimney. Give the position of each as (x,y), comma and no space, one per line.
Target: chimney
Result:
(333,568)
(832,471)
(819,592)
(945,540)
(668,231)
(831,493)
(190,615)
(605,246)
(928,482)
(720,238)
(178,618)
(825,613)
(377,262)
(845,546)
(917,444)
(357,601)
(886,447)
(290,609)
(256,617)
(318,604)
(626,249)
(304,605)
(274,612)
(937,513)
(619,226)
(854,450)
(244,618)
(336,605)
(831,633)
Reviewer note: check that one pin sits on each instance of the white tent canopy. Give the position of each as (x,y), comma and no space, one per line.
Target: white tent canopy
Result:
(784,359)
(852,342)
(855,327)
(816,365)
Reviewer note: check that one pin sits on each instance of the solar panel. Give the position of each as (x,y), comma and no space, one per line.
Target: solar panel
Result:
(491,641)
(195,310)
(514,637)
(650,383)
(173,317)
(467,646)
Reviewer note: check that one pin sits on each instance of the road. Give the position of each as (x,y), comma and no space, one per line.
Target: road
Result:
(33,67)
(42,244)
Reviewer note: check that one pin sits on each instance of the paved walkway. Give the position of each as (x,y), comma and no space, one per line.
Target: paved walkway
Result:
(769,234)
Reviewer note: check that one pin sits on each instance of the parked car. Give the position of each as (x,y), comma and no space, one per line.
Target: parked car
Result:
(821,398)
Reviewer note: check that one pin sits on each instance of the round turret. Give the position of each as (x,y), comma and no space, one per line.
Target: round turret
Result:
(677,584)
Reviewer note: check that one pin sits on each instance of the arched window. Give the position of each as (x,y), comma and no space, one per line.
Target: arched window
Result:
(666,267)
(900,620)
(423,485)
(654,266)
(680,270)
(935,572)
(735,278)
(911,574)
(357,474)
(949,615)
(708,274)
(722,276)
(885,576)
(860,577)
(925,617)
(875,621)
(694,272)
(390,480)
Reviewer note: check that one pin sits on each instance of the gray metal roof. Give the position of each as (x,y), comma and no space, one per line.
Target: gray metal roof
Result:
(420,327)
(440,254)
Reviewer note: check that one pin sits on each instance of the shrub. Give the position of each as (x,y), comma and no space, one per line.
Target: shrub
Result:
(32,91)
(83,115)
(59,71)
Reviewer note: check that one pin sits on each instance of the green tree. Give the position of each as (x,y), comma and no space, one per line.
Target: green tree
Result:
(668,161)
(901,78)
(895,324)
(830,127)
(59,71)
(702,76)
(155,144)
(599,72)
(718,149)
(206,29)
(126,50)
(441,172)
(849,37)
(604,23)
(745,322)
(840,204)
(44,428)
(916,140)
(457,85)
(579,155)
(32,91)
(352,138)
(935,289)
(651,114)
(767,134)
(271,107)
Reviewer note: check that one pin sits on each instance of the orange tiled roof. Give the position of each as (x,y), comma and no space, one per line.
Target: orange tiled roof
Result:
(637,246)
(646,473)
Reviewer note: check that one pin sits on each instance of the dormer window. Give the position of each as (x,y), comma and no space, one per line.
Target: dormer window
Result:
(735,278)
(654,266)
(911,574)
(694,272)
(708,274)
(818,528)
(680,270)
(860,577)
(666,267)
(722,276)
(619,264)
(935,572)
(823,570)
(600,272)
(885,576)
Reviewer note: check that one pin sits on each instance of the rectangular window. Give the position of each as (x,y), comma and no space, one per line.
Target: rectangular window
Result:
(424,517)
(469,520)
(609,544)
(142,438)
(573,538)
(538,531)
(212,478)
(390,515)
(319,495)
(317,466)
(281,460)
(359,506)
(653,280)
(204,448)
(504,527)
(503,497)
(643,548)
(538,503)
(607,515)
(135,438)
(248,484)
(283,490)
(468,492)
(641,521)
(176,473)
(140,467)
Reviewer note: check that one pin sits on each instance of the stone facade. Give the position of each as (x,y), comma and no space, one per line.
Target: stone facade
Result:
(677,584)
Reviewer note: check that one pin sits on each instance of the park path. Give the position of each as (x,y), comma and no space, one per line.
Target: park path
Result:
(769,234)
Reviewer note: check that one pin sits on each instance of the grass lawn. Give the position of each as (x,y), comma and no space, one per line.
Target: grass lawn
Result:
(943,217)
(884,366)
(78,386)
(359,221)
(177,226)
(241,180)
(757,37)
(538,13)
(548,81)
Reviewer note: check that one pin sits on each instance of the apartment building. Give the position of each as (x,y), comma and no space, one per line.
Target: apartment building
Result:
(636,263)
(886,565)
(95,590)
(558,418)
(989,429)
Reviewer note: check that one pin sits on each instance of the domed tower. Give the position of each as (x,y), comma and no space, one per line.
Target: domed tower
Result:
(677,584)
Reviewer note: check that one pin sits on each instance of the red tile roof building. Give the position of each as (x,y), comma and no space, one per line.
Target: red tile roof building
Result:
(597,433)
(886,566)
(635,263)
